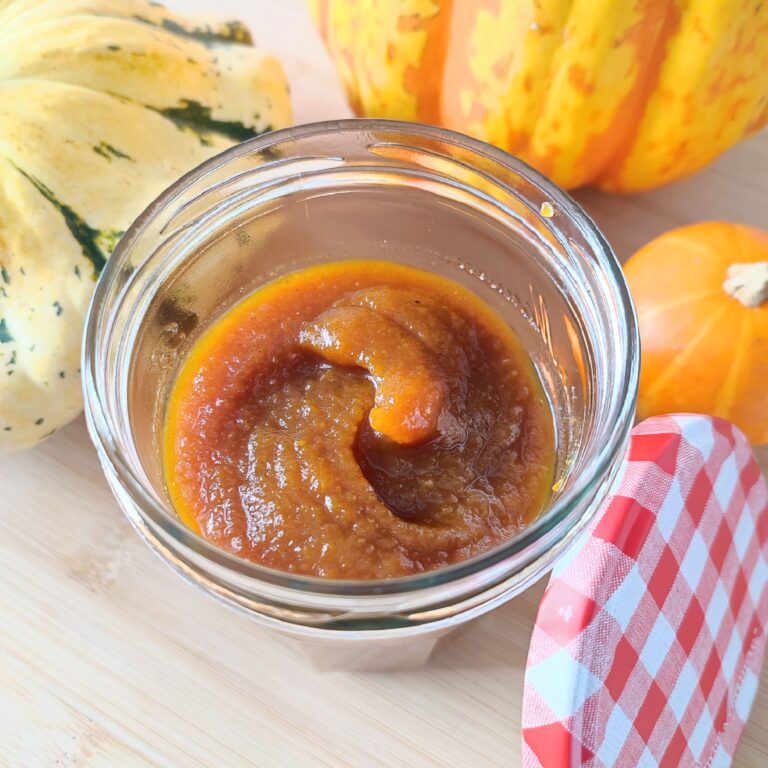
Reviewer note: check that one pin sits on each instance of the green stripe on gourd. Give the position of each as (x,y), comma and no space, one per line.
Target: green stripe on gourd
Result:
(192,114)
(107,150)
(5,336)
(229,32)
(99,113)
(85,235)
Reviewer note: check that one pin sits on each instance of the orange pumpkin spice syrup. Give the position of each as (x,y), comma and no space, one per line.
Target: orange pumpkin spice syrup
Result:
(358,419)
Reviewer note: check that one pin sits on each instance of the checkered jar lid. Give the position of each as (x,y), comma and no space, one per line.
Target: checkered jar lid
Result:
(649,640)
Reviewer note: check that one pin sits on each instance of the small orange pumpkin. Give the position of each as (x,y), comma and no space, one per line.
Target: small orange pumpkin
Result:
(701,294)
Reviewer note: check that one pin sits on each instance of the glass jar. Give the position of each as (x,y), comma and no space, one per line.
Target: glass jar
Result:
(410,193)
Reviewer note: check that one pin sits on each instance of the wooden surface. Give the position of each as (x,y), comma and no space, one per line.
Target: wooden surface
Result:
(108,659)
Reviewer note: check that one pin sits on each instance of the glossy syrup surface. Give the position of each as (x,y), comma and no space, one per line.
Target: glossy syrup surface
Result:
(358,420)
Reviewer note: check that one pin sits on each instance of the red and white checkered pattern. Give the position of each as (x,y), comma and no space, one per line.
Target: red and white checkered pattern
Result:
(649,640)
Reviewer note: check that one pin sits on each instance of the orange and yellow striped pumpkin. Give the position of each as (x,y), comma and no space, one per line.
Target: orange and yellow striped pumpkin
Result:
(622,94)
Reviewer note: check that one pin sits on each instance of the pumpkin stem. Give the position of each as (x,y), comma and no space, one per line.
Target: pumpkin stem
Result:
(748,283)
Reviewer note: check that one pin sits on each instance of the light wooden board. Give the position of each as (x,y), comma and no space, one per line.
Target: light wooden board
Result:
(108,659)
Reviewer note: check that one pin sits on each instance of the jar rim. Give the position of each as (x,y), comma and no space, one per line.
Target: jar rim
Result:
(546,531)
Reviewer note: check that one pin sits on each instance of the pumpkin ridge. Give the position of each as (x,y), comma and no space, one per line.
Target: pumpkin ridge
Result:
(638,99)
(665,375)
(677,303)
(429,73)
(537,107)
(727,393)
(527,148)
(518,140)
(710,88)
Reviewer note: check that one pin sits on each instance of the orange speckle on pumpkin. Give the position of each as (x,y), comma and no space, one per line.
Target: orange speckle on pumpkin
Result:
(577,76)
(411,80)
(699,29)
(410,23)
(528,83)
(501,68)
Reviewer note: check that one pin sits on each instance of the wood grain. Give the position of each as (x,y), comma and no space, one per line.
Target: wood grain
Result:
(108,659)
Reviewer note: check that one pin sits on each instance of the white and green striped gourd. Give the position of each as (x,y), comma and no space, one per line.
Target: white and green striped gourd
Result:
(103,104)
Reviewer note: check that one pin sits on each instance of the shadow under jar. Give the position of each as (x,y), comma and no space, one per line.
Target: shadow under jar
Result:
(412,194)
